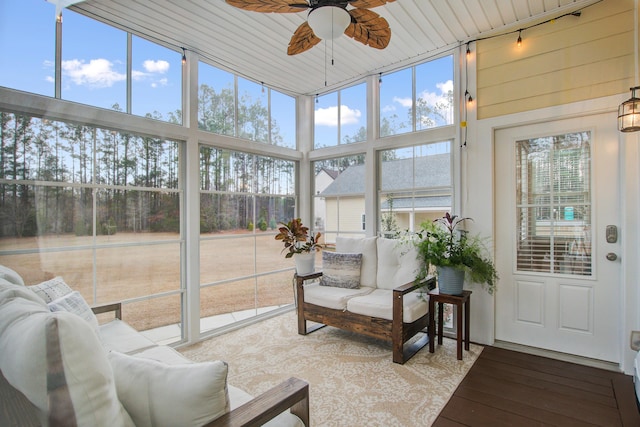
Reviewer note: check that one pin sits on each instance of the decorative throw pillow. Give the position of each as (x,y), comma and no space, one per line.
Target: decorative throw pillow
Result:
(74,303)
(51,289)
(157,394)
(341,270)
(367,247)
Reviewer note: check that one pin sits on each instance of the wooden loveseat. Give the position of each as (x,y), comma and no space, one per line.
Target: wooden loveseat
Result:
(60,366)
(387,303)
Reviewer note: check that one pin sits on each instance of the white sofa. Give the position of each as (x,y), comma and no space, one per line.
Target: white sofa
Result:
(73,371)
(383,300)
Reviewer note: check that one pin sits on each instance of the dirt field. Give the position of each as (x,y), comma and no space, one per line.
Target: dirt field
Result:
(131,270)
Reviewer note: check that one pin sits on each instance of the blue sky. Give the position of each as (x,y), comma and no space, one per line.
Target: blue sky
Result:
(94,71)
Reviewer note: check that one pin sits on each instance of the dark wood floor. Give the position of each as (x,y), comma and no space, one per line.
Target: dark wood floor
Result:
(509,388)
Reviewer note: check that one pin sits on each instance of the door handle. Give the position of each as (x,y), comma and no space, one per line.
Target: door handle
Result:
(611,256)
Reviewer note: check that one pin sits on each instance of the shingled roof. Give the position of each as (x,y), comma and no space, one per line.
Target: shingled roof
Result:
(431,171)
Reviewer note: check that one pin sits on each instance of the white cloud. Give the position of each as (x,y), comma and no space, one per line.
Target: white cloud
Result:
(328,116)
(97,73)
(138,75)
(388,108)
(159,66)
(404,102)
(434,98)
(160,82)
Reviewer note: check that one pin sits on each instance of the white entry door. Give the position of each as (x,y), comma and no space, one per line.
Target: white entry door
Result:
(558,257)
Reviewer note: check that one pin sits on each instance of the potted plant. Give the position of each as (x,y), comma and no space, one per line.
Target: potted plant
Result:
(297,241)
(455,255)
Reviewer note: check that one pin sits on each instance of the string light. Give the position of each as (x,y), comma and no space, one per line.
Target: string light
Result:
(262,84)
(317,98)
(184,56)
(468,51)
(519,42)
(380,80)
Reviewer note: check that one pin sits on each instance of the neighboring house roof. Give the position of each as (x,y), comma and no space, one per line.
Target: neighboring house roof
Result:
(431,171)
(331,172)
(408,203)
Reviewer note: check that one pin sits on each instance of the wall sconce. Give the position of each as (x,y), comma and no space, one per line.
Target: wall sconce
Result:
(629,113)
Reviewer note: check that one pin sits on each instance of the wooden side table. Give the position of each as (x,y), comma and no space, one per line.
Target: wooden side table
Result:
(462,303)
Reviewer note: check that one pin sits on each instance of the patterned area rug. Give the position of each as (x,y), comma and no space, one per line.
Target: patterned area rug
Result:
(352,379)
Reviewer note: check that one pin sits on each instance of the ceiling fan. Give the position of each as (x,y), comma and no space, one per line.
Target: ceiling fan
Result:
(328,19)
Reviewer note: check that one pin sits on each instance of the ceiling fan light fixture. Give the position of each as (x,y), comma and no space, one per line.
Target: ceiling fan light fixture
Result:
(329,22)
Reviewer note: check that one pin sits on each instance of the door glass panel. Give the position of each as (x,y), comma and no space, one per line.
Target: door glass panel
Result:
(553,185)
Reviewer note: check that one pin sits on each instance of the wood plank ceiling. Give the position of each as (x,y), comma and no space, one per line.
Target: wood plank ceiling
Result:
(254,45)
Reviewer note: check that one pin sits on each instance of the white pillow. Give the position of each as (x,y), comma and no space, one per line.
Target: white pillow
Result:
(51,289)
(367,247)
(397,263)
(341,270)
(58,351)
(74,303)
(157,394)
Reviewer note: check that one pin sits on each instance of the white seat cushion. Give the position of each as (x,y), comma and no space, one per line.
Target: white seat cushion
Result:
(367,247)
(119,336)
(164,354)
(330,297)
(397,263)
(379,303)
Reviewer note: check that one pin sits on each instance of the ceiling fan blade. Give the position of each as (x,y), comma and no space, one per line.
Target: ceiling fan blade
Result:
(302,40)
(269,6)
(369,28)
(368,4)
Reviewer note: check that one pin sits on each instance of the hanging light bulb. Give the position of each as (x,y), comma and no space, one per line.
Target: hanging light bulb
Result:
(468,51)
(380,80)
(519,42)
(184,56)
(629,113)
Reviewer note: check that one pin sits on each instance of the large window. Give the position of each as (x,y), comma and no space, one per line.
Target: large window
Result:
(34,72)
(95,74)
(341,117)
(99,208)
(339,190)
(554,204)
(243,197)
(253,111)
(417,98)
(415,186)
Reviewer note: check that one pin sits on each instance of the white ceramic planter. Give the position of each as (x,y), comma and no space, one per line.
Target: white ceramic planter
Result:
(305,263)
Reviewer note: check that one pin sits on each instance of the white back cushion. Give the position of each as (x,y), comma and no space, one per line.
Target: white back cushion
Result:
(367,247)
(11,276)
(59,351)
(397,263)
